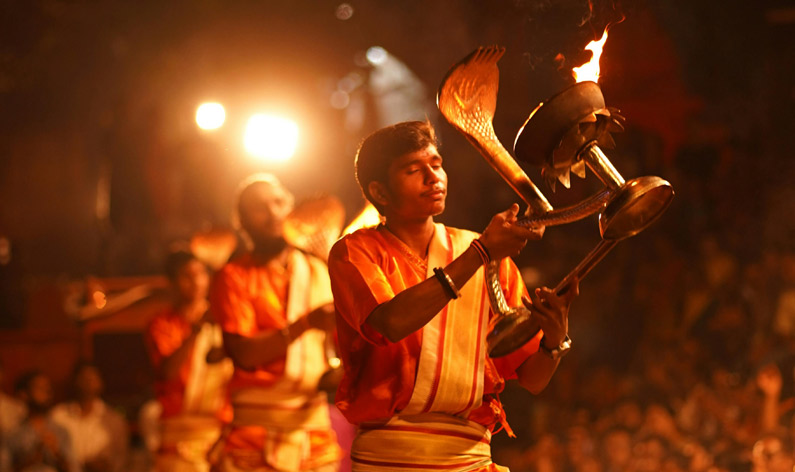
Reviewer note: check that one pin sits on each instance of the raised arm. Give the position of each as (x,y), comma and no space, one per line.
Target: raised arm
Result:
(414,307)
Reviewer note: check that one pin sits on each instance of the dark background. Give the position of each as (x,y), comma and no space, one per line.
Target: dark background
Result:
(102,166)
(110,89)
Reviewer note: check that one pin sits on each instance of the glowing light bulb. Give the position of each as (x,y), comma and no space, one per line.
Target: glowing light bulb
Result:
(271,137)
(210,116)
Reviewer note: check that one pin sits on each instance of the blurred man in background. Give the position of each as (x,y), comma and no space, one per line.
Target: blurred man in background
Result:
(38,444)
(100,436)
(12,410)
(274,306)
(185,346)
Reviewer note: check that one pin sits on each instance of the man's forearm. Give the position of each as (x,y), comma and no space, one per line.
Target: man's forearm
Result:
(171,364)
(414,307)
(250,352)
(535,373)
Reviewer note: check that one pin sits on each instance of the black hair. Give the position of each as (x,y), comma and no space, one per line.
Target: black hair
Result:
(176,260)
(26,379)
(380,148)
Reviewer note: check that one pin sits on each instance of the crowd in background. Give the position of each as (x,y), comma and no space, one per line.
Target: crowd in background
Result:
(80,432)
(683,359)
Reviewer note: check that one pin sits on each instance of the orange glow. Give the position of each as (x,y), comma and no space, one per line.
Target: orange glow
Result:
(210,116)
(369,216)
(590,70)
(99,299)
(271,138)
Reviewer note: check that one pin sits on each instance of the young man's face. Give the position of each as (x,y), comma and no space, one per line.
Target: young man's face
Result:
(193,281)
(417,185)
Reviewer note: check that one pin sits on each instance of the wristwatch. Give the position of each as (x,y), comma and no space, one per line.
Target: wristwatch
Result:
(557,352)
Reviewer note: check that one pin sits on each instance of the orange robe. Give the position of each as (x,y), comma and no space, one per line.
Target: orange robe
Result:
(437,375)
(165,333)
(194,404)
(281,419)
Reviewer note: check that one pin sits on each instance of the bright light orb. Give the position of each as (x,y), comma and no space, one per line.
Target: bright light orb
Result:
(340,99)
(271,137)
(210,116)
(376,55)
(344,11)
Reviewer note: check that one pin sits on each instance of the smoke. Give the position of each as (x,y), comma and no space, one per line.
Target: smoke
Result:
(556,31)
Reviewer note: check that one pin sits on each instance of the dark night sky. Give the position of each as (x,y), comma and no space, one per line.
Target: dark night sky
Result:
(109,88)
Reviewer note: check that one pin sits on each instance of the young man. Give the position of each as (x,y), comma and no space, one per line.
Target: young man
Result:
(99,434)
(413,316)
(186,349)
(274,306)
(12,410)
(38,443)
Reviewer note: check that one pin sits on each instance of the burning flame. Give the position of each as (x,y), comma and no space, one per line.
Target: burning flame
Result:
(590,70)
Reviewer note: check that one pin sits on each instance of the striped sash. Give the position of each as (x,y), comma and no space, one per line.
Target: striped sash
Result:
(185,441)
(289,422)
(433,441)
(432,432)
(264,407)
(205,390)
(452,357)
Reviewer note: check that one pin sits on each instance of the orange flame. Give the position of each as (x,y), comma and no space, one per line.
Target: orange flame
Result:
(590,70)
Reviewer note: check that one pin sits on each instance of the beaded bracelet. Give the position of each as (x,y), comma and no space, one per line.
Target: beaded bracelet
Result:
(447,282)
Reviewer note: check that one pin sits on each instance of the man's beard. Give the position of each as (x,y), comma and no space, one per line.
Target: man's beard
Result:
(270,245)
(38,408)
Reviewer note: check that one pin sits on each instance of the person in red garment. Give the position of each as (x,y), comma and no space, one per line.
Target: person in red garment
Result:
(413,317)
(185,346)
(274,306)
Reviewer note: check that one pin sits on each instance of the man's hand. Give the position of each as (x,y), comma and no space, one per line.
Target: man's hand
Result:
(504,238)
(552,312)
(322,318)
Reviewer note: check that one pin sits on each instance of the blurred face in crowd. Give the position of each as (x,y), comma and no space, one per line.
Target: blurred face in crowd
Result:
(549,451)
(649,454)
(629,415)
(263,208)
(88,382)
(769,455)
(38,394)
(192,281)
(659,421)
(617,446)
(700,458)
(579,443)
